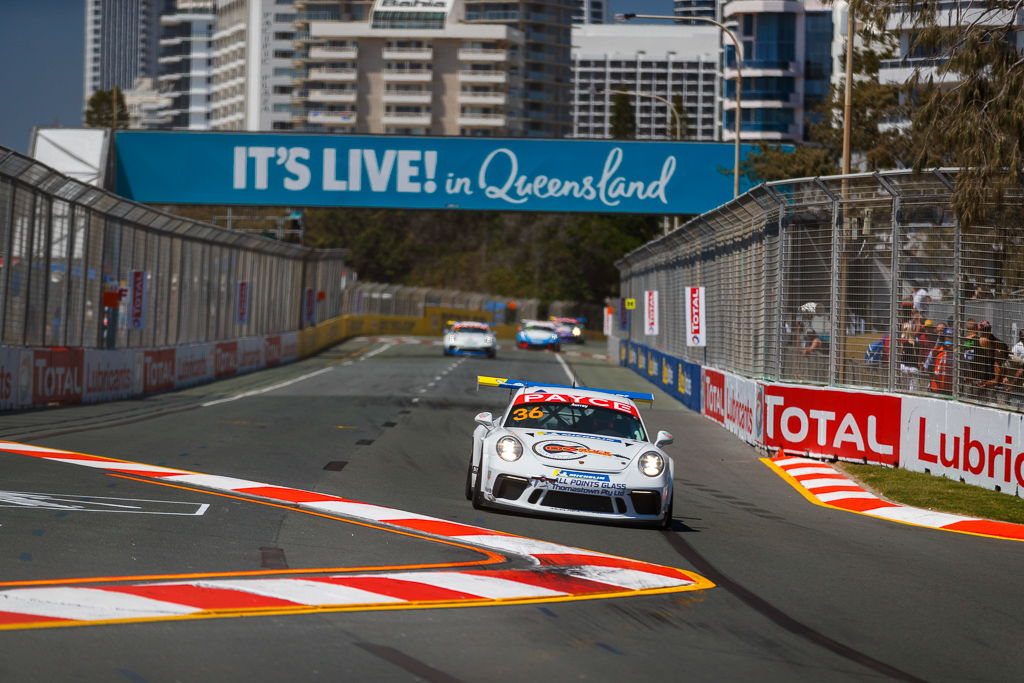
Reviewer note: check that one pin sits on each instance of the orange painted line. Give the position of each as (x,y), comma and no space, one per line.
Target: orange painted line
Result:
(492,557)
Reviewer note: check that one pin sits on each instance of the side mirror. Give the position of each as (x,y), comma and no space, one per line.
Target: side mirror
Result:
(664,439)
(484,420)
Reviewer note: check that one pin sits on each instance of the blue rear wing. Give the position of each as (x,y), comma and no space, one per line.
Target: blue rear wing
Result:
(522,384)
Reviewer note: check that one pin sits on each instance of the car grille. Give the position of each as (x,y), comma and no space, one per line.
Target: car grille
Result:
(577,501)
(508,487)
(646,502)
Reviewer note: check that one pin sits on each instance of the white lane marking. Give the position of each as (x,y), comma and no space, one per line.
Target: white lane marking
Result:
(300,591)
(59,501)
(565,366)
(484,586)
(264,390)
(86,604)
(373,353)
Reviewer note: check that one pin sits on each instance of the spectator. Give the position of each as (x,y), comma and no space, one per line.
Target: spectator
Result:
(941,378)
(990,356)
(927,340)
(1014,366)
(921,299)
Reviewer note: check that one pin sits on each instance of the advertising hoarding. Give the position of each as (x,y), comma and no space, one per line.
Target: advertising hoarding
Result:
(498,174)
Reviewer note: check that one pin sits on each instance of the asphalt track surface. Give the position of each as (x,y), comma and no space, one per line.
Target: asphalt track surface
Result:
(802,592)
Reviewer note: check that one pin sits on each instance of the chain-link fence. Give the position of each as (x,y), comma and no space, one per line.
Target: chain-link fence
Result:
(80,267)
(863,280)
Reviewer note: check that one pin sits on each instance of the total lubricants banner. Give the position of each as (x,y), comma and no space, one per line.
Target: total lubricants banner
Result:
(505,174)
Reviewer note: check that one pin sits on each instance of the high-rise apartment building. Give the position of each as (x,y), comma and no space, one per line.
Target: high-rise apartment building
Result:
(391,68)
(685,9)
(546,27)
(669,73)
(186,63)
(787,65)
(120,43)
(590,12)
(253,53)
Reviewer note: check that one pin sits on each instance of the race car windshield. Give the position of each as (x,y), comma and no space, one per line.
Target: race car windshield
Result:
(542,328)
(470,330)
(582,419)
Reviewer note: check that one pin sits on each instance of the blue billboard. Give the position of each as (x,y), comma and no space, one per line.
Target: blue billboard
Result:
(498,174)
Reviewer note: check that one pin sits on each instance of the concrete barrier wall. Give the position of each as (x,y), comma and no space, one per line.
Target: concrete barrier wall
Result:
(973,444)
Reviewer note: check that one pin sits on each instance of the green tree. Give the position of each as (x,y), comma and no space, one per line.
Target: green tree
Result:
(106,109)
(623,117)
(973,120)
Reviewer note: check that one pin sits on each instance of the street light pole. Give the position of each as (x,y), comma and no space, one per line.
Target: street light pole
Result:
(739,80)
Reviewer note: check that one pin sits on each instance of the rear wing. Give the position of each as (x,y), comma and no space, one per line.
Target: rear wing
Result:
(522,383)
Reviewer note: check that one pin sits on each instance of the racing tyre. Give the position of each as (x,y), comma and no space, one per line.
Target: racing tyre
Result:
(469,480)
(491,353)
(478,495)
(666,521)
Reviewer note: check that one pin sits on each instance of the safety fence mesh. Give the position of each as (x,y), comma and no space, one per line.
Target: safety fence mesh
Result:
(865,280)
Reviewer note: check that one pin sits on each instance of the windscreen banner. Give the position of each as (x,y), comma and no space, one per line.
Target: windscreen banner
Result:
(496,174)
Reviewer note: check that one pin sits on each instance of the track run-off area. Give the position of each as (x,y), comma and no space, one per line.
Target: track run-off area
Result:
(308,522)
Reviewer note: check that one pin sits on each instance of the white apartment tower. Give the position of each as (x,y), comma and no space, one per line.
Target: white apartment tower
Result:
(253,51)
(669,73)
(405,68)
(120,43)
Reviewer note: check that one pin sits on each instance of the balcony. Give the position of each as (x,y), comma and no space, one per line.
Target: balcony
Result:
(483,77)
(481,55)
(343,96)
(404,97)
(322,52)
(333,75)
(408,53)
(482,120)
(408,75)
(405,119)
(482,98)
(339,118)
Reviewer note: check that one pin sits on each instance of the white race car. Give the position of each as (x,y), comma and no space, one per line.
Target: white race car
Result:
(469,338)
(571,451)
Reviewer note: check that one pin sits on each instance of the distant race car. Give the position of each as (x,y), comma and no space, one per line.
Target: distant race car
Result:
(537,334)
(570,330)
(469,338)
(571,452)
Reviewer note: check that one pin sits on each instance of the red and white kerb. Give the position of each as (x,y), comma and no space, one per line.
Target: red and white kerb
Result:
(553,571)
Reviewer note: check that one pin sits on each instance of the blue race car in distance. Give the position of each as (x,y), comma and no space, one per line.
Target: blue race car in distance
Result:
(537,334)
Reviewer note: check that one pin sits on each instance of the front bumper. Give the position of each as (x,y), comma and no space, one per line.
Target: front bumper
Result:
(626,500)
(462,351)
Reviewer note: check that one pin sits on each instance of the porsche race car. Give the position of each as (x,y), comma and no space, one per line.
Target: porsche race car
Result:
(469,338)
(571,452)
(570,330)
(537,334)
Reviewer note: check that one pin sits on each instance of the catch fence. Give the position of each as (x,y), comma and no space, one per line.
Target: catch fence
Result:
(817,280)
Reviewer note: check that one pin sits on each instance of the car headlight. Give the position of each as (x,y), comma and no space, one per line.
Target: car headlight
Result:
(652,464)
(509,448)
(576,332)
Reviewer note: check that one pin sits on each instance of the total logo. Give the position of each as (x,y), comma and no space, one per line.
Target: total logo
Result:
(840,423)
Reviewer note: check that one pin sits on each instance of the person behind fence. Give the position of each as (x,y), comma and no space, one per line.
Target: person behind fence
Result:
(921,299)
(991,354)
(939,347)
(927,340)
(1014,366)
(942,379)
(907,358)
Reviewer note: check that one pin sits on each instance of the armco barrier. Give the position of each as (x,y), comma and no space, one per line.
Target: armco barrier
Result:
(973,444)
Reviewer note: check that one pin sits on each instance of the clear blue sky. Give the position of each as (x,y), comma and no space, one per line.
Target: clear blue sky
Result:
(41,53)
